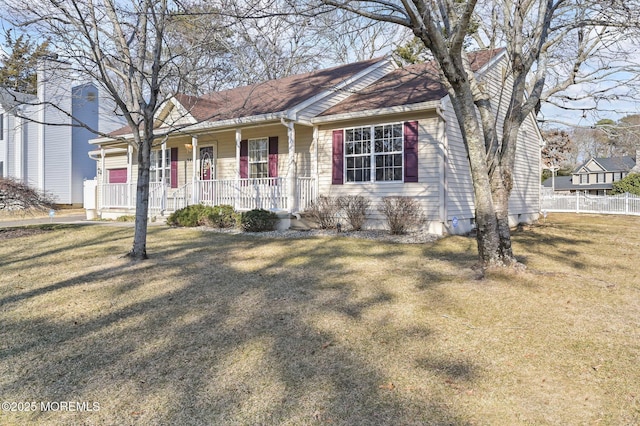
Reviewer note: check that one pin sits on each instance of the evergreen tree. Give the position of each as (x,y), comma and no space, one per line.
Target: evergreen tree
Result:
(18,69)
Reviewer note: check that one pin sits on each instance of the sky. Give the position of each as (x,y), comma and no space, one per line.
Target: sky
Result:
(550,115)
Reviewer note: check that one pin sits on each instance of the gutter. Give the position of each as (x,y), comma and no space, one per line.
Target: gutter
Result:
(93,154)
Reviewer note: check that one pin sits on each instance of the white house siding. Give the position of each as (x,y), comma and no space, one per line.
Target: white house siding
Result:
(11,140)
(524,203)
(31,156)
(426,190)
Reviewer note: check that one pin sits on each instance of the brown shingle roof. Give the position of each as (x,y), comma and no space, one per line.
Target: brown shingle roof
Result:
(405,86)
(263,98)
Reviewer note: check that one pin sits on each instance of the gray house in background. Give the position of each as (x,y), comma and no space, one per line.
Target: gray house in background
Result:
(595,176)
(39,143)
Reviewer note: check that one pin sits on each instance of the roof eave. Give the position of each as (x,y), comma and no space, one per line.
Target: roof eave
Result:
(398,109)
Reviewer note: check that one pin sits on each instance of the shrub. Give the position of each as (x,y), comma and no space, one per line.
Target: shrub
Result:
(193,215)
(222,216)
(402,213)
(258,220)
(355,208)
(324,211)
(630,184)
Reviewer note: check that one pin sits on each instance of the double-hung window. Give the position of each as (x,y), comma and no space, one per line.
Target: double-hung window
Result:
(374,153)
(259,158)
(157,166)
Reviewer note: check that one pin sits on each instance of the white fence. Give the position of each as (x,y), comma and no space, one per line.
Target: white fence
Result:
(583,203)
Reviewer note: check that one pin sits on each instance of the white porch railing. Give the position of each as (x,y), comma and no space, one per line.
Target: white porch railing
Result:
(583,203)
(243,194)
(117,195)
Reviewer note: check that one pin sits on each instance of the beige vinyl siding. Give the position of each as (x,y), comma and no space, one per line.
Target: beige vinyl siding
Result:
(305,154)
(459,185)
(340,95)
(426,190)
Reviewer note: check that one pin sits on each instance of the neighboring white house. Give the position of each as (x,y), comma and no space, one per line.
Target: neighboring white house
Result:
(39,143)
(368,128)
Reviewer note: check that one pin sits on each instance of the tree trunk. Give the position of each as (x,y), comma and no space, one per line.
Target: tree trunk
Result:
(139,249)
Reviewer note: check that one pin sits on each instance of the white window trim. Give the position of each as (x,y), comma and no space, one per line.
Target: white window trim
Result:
(372,155)
(265,161)
(153,166)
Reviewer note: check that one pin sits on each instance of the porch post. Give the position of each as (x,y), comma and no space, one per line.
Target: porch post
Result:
(163,185)
(237,190)
(102,173)
(130,202)
(292,202)
(194,179)
(316,166)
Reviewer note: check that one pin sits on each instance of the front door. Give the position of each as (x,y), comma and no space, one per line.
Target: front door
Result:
(206,163)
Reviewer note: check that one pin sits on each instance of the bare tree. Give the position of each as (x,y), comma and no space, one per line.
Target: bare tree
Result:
(529,30)
(124,46)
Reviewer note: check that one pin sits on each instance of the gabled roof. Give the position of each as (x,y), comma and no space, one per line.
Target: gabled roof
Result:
(610,164)
(405,86)
(270,97)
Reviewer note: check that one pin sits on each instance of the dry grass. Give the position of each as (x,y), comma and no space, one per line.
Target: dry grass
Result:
(230,329)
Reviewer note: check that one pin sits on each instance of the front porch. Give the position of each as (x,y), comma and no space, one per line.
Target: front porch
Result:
(275,194)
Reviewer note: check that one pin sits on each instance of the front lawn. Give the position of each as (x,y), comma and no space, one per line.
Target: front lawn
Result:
(233,329)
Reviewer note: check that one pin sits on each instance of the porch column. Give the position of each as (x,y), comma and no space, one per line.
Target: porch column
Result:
(194,163)
(129,177)
(238,140)
(316,167)
(163,149)
(292,199)
(101,174)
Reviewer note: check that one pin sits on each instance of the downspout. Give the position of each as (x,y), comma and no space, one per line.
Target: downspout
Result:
(292,204)
(443,146)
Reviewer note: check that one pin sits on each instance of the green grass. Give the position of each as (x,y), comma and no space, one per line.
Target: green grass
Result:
(234,329)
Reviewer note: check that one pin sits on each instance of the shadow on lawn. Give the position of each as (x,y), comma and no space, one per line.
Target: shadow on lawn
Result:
(268,344)
(541,241)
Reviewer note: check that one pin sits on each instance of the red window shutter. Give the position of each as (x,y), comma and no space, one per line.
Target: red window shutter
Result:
(338,158)
(118,176)
(273,156)
(244,159)
(174,167)
(411,151)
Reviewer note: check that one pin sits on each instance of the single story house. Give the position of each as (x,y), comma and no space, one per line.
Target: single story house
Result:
(368,128)
(595,176)
(39,144)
